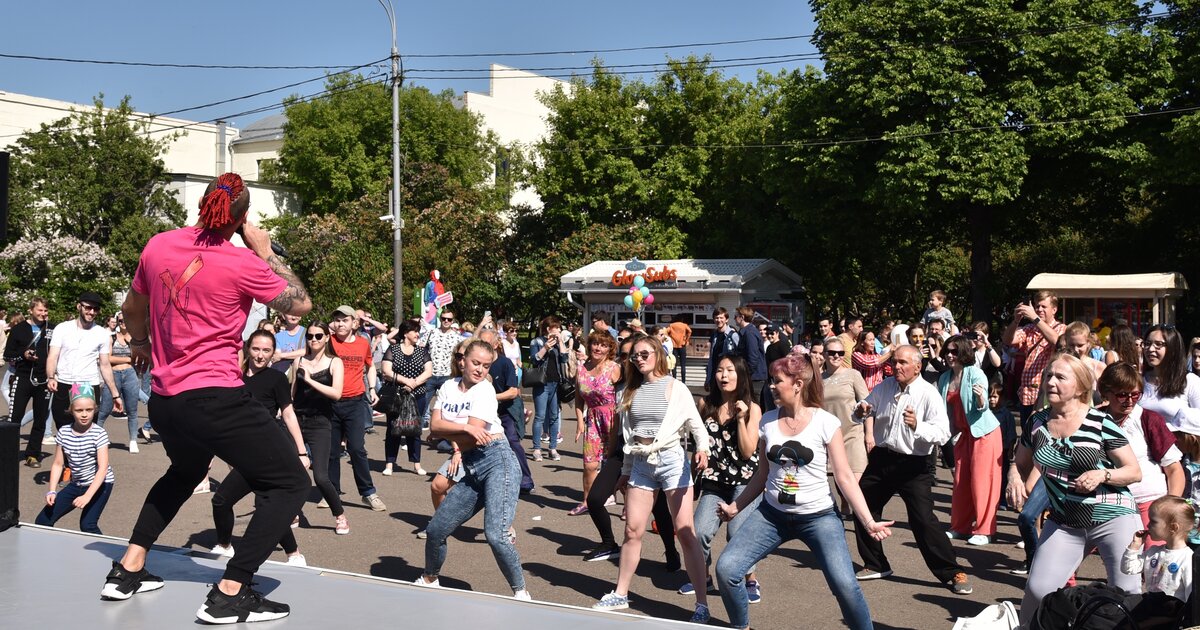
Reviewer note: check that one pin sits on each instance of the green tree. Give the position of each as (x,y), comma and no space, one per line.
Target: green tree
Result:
(59,269)
(96,175)
(662,155)
(963,104)
(346,257)
(338,148)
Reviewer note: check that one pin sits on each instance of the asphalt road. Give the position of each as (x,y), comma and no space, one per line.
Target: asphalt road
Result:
(552,544)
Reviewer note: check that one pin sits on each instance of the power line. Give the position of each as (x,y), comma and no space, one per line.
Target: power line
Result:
(786,59)
(151,64)
(885,137)
(596,51)
(606,67)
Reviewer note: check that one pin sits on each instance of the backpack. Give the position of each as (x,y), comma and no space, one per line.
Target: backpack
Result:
(1095,607)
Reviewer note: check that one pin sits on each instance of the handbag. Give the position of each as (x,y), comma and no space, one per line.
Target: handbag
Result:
(533,376)
(406,422)
(566,392)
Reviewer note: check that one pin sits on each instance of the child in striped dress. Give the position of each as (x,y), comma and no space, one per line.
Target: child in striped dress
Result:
(83,445)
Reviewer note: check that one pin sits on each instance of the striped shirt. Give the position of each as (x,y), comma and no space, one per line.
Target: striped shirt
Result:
(79,451)
(1063,460)
(649,407)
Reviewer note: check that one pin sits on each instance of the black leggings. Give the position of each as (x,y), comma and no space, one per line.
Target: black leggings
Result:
(232,490)
(603,487)
(316,431)
(22,389)
(224,422)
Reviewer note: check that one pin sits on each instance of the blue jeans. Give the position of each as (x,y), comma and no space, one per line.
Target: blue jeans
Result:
(349,421)
(130,386)
(545,414)
(89,521)
(490,484)
(763,532)
(707,521)
(1027,523)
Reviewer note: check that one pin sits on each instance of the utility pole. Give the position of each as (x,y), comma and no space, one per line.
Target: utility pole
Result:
(397,221)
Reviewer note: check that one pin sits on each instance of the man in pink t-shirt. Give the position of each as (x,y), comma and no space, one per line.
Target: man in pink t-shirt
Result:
(186,309)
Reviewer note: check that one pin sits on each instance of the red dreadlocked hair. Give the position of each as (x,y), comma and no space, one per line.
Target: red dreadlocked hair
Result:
(223,202)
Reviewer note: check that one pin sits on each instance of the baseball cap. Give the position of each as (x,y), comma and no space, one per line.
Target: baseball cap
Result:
(344,309)
(90,297)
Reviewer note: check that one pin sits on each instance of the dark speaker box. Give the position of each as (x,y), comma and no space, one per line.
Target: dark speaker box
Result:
(9,475)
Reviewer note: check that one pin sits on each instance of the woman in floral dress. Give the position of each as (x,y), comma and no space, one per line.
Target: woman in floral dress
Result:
(596,382)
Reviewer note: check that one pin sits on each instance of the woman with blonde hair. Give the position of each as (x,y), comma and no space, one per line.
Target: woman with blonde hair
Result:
(1086,465)
(657,411)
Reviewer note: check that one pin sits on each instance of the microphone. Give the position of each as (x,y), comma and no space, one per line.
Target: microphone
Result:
(276,248)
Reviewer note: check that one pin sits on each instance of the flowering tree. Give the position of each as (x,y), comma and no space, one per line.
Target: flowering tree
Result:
(58,269)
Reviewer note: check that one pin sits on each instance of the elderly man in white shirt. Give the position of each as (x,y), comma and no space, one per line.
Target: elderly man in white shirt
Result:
(906,421)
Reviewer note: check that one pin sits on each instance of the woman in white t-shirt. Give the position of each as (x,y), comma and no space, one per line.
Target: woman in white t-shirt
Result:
(797,440)
(1169,388)
(466,414)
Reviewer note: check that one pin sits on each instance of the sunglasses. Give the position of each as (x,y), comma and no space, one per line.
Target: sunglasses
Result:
(312,336)
(641,356)
(447,319)
(835,353)
(89,307)
(458,355)
(1128,396)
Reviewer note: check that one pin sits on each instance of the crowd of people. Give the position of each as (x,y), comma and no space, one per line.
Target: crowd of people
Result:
(1100,449)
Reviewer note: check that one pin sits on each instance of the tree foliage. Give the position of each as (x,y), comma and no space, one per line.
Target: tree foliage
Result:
(338,148)
(58,269)
(96,175)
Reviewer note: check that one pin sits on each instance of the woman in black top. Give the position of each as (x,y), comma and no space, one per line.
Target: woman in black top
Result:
(318,383)
(270,389)
(409,367)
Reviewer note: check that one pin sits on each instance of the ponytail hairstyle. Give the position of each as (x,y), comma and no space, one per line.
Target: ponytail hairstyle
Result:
(225,202)
(803,370)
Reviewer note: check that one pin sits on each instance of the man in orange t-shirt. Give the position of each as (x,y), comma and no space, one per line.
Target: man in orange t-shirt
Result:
(352,412)
(680,334)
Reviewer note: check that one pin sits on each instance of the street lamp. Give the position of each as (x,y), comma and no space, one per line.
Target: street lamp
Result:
(397,222)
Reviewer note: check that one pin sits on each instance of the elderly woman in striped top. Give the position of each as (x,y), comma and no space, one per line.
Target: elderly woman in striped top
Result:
(656,412)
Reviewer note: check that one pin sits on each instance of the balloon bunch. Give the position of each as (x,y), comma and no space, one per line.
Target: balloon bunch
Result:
(639,294)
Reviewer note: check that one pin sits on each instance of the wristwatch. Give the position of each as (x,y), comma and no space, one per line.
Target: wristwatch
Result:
(1107,476)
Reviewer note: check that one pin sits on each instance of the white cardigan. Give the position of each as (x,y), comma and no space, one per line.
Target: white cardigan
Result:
(681,418)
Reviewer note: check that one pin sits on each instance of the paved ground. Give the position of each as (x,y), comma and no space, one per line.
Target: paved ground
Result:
(552,544)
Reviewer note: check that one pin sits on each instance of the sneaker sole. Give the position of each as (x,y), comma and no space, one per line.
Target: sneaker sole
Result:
(253,617)
(873,576)
(607,608)
(606,556)
(110,592)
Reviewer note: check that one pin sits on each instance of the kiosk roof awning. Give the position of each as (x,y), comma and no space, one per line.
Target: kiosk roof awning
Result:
(700,273)
(1131,284)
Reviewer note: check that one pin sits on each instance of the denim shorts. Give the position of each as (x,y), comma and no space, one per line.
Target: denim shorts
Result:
(670,473)
(457,476)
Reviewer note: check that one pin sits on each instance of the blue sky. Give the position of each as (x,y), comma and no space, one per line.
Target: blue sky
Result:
(352,32)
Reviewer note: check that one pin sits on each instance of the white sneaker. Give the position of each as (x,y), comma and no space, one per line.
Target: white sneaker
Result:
(203,488)
(375,503)
(387,471)
(420,581)
(133,447)
(523,595)
(49,441)
(297,560)
(223,551)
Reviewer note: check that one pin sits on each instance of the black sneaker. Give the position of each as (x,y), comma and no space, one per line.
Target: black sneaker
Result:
(603,551)
(122,583)
(673,562)
(245,607)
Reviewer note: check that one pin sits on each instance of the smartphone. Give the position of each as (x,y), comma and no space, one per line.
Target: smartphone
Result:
(487,313)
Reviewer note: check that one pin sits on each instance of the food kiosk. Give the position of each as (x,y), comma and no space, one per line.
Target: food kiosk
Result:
(691,288)
(1140,300)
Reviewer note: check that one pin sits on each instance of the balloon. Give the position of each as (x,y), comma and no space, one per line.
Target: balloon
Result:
(649,299)
(632,289)
(639,281)
(645,292)
(629,301)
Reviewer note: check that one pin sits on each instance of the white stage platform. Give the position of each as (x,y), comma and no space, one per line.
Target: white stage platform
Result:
(53,579)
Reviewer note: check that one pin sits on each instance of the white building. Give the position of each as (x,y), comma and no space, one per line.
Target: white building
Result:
(198,153)
(512,111)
